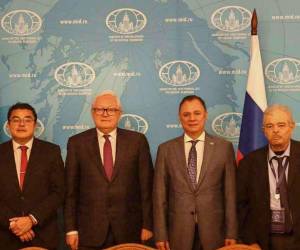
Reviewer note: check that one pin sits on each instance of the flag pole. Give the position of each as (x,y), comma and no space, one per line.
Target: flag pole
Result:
(254,23)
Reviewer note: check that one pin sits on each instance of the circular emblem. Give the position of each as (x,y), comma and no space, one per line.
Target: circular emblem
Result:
(21,22)
(228,125)
(179,73)
(74,75)
(39,129)
(134,123)
(283,71)
(126,21)
(231,18)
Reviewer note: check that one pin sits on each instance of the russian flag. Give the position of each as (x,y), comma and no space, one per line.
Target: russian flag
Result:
(251,135)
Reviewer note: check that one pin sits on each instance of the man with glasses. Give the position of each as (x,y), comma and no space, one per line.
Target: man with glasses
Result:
(269,186)
(109,182)
(31,184)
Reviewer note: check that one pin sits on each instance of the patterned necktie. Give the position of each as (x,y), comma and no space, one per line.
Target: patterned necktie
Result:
(23,164)
(192,163)
(283,190)
(107,157)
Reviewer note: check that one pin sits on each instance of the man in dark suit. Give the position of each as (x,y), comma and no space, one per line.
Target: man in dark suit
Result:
(109,175)
(269,186)
(194,186)
(31,184)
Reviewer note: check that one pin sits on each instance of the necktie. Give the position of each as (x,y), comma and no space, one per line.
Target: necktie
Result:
(107,157)
(283,191)
(23,164)
(192,163)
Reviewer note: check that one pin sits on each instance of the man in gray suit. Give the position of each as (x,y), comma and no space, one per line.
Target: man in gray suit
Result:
(194,186)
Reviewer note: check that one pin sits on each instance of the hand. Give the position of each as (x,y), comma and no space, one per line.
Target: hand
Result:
(163,245)
(229,242)
(72,241)
(28,236)
(20,225)
(256,246)
(146,234)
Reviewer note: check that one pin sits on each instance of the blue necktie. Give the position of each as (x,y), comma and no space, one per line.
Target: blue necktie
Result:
(192,163)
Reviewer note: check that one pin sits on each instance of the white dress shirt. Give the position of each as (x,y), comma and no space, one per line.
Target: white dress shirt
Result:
(199,149)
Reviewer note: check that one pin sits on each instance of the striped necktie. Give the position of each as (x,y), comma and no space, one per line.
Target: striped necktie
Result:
(192,163)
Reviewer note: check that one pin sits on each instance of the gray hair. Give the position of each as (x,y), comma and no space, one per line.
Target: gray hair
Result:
(108,92)
(279,107)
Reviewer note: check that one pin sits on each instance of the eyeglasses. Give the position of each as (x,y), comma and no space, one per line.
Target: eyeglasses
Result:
(270,126)
(18,120)
(109,111)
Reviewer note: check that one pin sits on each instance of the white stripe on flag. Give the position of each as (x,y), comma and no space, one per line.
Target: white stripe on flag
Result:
(255,83)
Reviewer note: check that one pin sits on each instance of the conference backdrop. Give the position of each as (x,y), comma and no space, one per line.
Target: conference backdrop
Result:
(59,54)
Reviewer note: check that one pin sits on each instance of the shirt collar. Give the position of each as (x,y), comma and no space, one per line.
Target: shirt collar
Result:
(16,145)
(286,152)
(113,133)
(200,138)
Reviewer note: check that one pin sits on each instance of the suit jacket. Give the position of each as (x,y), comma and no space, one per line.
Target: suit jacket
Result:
(93,203)
(177,203)
(41,196)
(254,196)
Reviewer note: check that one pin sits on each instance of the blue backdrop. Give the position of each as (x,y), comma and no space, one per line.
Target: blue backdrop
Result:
(58,54)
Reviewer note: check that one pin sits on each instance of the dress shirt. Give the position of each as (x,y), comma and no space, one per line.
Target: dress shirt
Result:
(199,148)
(274,203)
(113,142)
(17,154)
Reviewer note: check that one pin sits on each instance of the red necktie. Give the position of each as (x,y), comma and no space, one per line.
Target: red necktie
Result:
(107,157)
(23,164)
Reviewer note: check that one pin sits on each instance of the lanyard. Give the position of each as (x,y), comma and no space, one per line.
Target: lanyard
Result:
(279,179)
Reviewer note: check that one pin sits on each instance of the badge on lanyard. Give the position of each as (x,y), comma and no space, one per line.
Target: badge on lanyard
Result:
(278,221)
(278,179)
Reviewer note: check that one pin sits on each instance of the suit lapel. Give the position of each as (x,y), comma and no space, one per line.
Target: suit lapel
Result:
(293,164)
(95,155)
(262,174)
(33,162)
(209,148)
(9,162)
(121,147)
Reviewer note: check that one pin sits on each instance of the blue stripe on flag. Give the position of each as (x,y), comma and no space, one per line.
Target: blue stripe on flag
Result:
(251,135)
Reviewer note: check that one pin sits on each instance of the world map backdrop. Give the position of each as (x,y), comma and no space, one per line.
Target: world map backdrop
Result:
(58,55)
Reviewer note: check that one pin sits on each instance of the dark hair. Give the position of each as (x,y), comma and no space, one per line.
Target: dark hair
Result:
(21,105)
(191,98)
